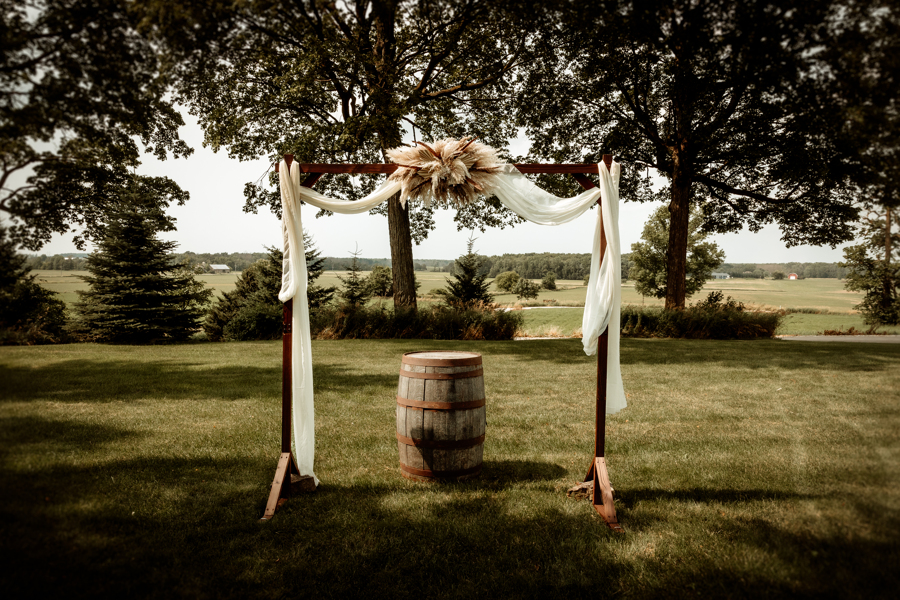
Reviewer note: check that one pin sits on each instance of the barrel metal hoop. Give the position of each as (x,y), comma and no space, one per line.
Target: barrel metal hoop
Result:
(447,376)
(428,473)
(440,405)
(441,444)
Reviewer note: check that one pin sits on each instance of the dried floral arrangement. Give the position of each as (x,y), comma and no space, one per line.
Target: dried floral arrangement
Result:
(448,171)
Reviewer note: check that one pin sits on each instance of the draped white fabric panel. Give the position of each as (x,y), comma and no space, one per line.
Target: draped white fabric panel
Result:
(515,191)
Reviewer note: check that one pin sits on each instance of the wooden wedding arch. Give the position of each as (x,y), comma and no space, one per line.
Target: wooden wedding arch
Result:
(287,475)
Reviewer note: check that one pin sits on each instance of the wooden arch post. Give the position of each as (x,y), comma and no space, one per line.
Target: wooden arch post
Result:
(287,477)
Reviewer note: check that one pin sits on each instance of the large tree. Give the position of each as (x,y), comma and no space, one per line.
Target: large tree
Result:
(722,98)
(649,267)
(80,97)
(874,267)
(136,293)
(338,82)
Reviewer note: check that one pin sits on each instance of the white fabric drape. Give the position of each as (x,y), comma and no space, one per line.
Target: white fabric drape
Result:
(602,306)
(515,191)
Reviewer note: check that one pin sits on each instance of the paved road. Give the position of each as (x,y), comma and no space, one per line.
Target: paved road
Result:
(859,339)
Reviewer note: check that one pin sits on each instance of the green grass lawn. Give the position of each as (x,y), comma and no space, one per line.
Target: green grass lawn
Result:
(741,469)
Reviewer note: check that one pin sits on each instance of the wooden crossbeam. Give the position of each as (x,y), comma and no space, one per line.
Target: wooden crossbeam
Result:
(390,168)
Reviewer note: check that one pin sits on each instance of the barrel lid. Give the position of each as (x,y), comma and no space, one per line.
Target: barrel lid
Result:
(441,358)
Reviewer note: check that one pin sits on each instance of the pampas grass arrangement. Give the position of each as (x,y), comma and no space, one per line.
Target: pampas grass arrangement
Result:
(448,171)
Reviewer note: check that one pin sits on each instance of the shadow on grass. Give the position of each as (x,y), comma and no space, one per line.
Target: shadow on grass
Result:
(51,435)
(173,527)
(121,380)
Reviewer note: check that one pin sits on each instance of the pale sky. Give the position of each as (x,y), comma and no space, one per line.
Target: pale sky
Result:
(213,221)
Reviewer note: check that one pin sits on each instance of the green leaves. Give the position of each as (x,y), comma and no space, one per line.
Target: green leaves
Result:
(649,264)
(79,90)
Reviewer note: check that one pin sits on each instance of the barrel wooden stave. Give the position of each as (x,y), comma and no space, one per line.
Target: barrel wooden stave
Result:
(441,425)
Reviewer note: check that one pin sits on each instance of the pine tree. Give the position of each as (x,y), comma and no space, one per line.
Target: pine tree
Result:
(316,295)
(469,285)
(29,313)
(381,281)
(137,294)
(356,291)
(252,310)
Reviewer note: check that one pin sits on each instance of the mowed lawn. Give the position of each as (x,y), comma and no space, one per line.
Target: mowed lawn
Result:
(741,469)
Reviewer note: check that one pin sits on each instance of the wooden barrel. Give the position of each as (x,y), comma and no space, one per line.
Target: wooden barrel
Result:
(440,415)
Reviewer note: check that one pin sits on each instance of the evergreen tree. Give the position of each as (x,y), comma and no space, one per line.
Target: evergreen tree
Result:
(252,310)
(137,294)
(356,291)
(315,265)
(649,258)
(468,285)
(29,313)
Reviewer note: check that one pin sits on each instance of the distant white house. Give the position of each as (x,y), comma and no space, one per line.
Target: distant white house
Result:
(721,276)
(220,268)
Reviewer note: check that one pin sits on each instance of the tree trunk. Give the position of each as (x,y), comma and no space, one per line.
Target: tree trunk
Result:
(676,252)
(401,254)
(887,296)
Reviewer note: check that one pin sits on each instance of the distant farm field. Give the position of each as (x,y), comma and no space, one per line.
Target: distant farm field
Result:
(819,294)
(825,295)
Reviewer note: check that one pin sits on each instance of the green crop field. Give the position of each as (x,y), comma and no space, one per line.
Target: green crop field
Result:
(741,469)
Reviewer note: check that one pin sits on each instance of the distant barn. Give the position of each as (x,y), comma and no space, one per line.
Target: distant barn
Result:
(721,276)
(220,268)
(792,276)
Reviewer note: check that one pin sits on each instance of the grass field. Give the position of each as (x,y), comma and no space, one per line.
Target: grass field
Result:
(826,295)
(820,294)
(742,469)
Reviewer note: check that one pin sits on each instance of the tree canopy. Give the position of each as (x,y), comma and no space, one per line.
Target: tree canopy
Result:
(722,98)
(29,313)
(874,267)
(339,82)
(649,267)
(80,97)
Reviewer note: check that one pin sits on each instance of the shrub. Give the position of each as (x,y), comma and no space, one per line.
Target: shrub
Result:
(381,281)
(438,322)
(526,289)
(715,317)
(549,281)
(255,322)
(778,275)
(506,281)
